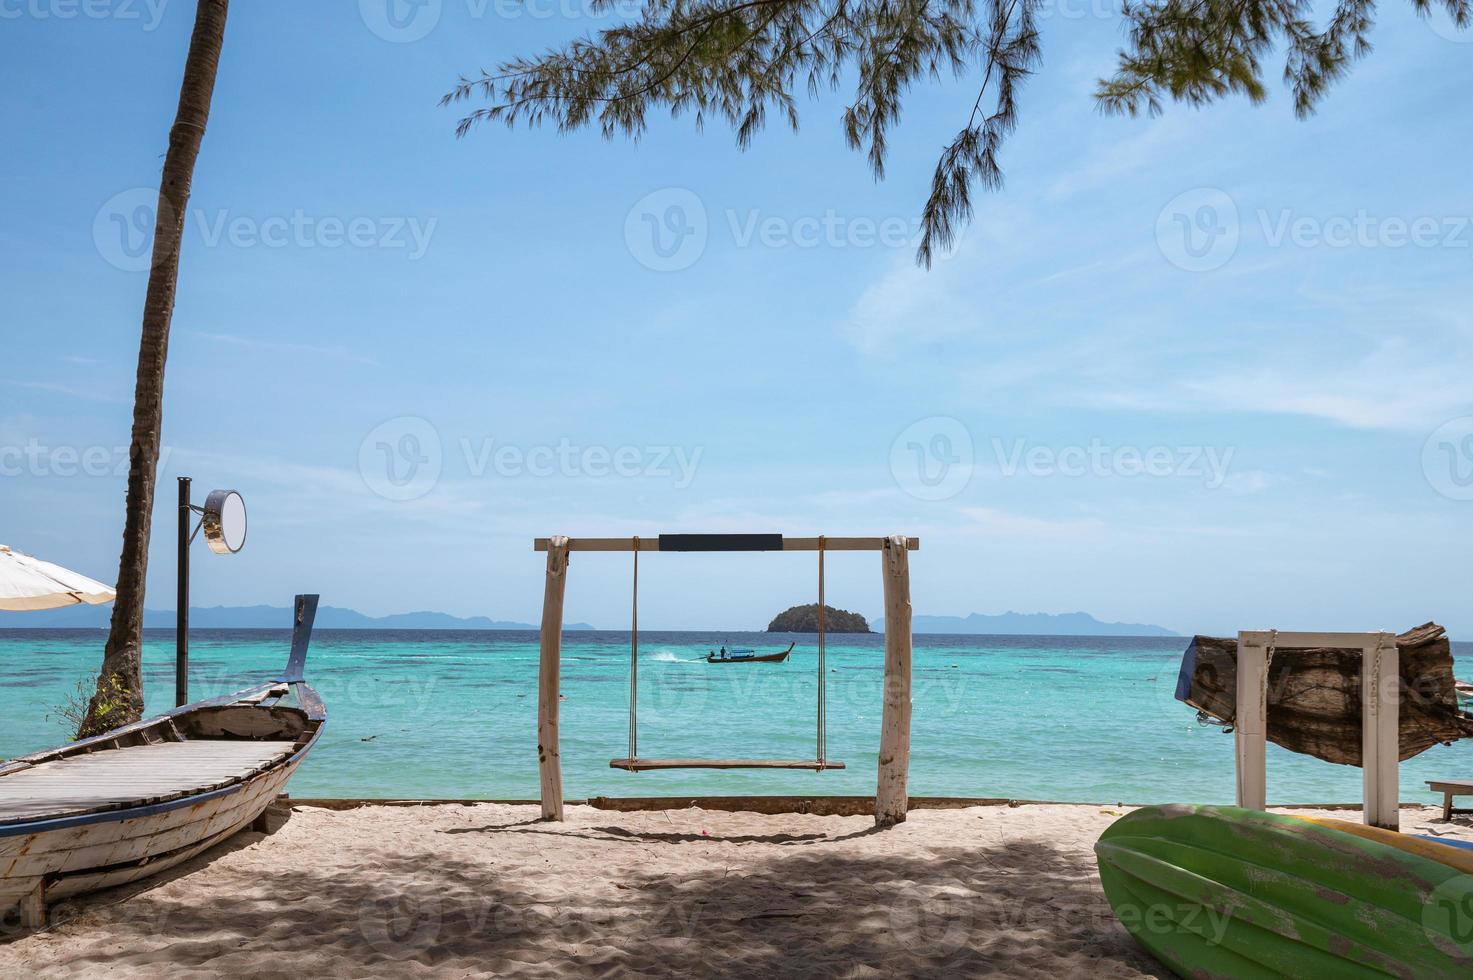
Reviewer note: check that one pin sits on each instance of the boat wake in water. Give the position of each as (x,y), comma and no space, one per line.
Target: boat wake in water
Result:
(666,657)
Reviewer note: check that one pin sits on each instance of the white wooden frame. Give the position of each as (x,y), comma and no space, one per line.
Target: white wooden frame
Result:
(1380,706)
(891,794)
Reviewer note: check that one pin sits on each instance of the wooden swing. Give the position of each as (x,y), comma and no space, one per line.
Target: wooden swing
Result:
(633,763)
(894,755)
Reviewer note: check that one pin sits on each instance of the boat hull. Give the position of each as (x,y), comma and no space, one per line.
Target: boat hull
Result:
(763,658)
(1227,892)
(130,844)
(145,797)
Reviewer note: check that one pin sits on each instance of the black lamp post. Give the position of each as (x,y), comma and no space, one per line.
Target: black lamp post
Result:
(223,519)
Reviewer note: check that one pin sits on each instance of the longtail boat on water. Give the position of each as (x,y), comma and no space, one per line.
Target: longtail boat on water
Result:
(745,655)
(135,801)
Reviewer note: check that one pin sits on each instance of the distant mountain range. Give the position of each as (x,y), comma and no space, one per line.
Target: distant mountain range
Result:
(1028,624)
(261,617)
(334,617)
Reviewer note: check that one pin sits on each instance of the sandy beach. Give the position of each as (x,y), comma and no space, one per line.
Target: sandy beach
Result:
(473,890)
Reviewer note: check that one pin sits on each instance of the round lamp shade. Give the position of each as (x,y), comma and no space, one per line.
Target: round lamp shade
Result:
(224,522)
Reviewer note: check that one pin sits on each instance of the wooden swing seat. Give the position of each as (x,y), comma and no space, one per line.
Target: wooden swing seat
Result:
(640,765)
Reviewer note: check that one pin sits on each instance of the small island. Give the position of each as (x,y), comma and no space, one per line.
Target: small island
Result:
(804,619)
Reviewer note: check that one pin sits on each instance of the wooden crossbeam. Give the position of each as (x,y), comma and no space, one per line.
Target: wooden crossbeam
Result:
(758,542)
(640,765)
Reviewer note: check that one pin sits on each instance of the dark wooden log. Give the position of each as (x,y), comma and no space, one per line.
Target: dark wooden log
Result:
(1314,696)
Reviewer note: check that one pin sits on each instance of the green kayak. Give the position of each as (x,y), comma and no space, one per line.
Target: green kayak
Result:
(1227,892)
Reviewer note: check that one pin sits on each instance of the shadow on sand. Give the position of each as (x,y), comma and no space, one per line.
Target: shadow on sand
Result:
(623,834)
(958,912)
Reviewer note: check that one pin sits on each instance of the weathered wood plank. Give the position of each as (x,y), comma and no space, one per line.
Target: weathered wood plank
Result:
(33,907)
(117,778)
(1251,697)
(640,765)
(273,817)
(13,891)
(549,757)
(108,844)
(310,702)
(789,544)
(260,721)
(151,823)
(303,614)
(84,883)
(1380,702)
(1314,698)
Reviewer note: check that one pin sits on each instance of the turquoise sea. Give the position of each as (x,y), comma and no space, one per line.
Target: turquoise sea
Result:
(453,714)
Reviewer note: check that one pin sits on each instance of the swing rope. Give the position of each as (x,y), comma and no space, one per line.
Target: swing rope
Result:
(634,764)
(634,661)
(822,673)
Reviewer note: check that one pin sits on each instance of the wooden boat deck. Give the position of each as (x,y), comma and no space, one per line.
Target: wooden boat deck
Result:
(131,776)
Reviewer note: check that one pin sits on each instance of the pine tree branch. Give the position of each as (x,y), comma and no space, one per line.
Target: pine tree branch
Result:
(742,59)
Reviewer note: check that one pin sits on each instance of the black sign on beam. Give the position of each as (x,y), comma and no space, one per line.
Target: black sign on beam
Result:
(721,542)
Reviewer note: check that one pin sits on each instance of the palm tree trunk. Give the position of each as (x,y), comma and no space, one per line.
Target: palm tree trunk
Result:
(119,696)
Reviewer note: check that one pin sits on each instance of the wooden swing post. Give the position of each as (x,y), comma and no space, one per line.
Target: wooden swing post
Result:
(549,761)
(891,800)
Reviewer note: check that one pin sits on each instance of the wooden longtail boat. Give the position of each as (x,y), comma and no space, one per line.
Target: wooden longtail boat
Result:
(140,799)
(1314,699)
(746,657)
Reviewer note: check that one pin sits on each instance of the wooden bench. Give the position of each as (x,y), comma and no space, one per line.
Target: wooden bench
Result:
(1450,788)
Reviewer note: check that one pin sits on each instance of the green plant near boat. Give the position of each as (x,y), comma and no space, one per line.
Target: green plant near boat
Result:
(111,708)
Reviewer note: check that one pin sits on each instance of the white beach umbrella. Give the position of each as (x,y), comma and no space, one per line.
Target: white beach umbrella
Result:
(30,583)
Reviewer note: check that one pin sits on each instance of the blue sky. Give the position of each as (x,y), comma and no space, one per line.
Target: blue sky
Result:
(1208,370)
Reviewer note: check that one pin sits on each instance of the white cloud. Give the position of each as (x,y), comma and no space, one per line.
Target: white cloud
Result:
(310,493)
(1386,389)
(1001,523)
(71,391)
(285,347)
(1127,157)
(908,305)
(1248,481)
